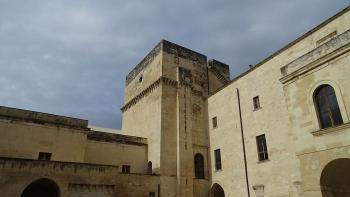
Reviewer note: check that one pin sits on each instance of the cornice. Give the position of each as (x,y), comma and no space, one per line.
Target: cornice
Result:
(317,57)
(148,90)
(153,86)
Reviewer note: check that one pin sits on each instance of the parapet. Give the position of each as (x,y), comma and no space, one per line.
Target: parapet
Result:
(170,48)
(55,166)
(220,67)
(41,118)
(117,138)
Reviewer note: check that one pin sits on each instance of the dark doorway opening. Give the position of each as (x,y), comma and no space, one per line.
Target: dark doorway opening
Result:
(217,191)
(41,188)
(335,178)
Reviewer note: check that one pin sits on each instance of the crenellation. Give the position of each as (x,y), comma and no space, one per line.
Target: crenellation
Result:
(185,53)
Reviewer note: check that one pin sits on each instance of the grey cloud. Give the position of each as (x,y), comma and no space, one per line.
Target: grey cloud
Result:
(71,57)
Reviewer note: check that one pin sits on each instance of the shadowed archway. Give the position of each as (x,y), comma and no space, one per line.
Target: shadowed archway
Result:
(217,191)
(335,178)
(41,188)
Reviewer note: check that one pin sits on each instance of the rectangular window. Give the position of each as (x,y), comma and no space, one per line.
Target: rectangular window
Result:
(44,156)
(215,122)
(262,147)
(256,102)
(152,194)
(125,169)
(217,159)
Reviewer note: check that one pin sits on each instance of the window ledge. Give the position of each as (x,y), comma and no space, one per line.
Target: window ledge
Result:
(263,161)
(256,109)
(331,129)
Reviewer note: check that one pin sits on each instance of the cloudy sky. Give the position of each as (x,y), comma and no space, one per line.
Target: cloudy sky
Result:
(70,57)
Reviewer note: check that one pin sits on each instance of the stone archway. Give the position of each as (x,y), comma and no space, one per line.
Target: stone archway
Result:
(41,188)
(217,191)
(335,178)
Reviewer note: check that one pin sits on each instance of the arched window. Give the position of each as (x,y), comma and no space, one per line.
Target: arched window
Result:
(199,166)
(327,107)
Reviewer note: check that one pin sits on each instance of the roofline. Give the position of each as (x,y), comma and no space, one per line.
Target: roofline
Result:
(42,118)
(308,33)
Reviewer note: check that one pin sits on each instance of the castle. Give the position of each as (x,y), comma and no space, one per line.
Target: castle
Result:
(281,129)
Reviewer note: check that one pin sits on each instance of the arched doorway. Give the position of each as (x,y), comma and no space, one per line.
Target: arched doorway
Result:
(335,178)
(217,191)
(41,188)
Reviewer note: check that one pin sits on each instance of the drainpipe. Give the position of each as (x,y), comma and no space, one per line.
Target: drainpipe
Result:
(243,142)
(208,82)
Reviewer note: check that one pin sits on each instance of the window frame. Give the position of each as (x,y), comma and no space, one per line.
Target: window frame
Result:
(199,168)
(214,122)
(126,169)
(218,160)
(263,155)
(256,103)
(338,88)
(44,156)
(329,110)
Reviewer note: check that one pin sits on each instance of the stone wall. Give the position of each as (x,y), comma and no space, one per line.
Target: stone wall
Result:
(25,140)
(284,117)
(72,179)
(116,149)
(170,110)
(327,64)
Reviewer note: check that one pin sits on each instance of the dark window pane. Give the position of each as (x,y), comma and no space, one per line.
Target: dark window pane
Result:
(322,104)
(327,107)
(199,166)
(215,122)
(333,103)
(337,119)
(256,102)
(325,120)
(125,169)
(217,159)
(262,147)
(44,156)
(152,194)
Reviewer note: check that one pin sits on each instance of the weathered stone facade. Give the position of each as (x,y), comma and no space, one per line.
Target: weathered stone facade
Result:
(188,130)
(299,151)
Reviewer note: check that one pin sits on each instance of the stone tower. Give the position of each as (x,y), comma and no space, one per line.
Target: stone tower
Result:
(165,101)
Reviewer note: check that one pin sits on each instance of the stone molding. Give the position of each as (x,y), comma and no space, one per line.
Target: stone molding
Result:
(147,91)
(59,166)
(116,138)
(83,187)
(324,53)
(338,128)
(218,75)
(152,87)
(15,114)
(283,49)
